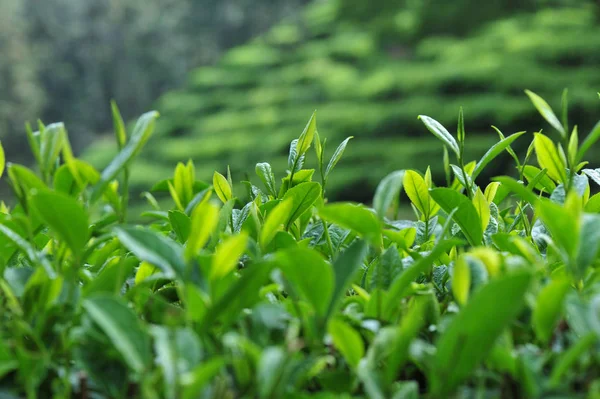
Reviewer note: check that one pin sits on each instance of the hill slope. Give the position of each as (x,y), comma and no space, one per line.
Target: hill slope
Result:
(372,83)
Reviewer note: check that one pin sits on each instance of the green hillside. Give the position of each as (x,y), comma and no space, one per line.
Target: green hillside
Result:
(369,76)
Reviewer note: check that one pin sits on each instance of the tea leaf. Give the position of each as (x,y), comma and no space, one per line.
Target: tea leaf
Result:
(440,132)
(589,141)
(548,158)
(347,341)
(477,325)
(65,216)
(306,137)
(483,208)
(418,192)
(141,133)
(222,187)
(264,172)
(153,248)
(203,222)
(309,276)
(276,219)
(337,155)
(465,216)
(356,218)
(227,254)
(122,327)
(493,152)
(118,125)
(545,110)
(548,308)
(461,280)
(303,197)
(387,190)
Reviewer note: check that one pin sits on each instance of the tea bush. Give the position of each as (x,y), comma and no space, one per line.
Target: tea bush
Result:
(371,84)
(492,290)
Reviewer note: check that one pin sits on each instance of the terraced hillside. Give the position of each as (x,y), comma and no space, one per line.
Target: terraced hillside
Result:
(369,78)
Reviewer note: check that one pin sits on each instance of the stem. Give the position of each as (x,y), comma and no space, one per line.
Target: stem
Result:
(467,185)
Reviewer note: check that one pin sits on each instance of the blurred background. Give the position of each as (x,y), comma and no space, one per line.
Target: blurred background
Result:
(236,80)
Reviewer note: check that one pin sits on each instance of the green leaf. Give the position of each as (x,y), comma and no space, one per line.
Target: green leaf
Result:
(118,125)
(545,110)
(401,284)
(222,187)
(345,267)
(122,327)
(65,216)
(482,207)
(141,133)
(181,225)
(493,152)
(337,155)
(387,190)
(548,157)
(417,191)
(154,248)
(166,357)
(27,249)
(571,357)
(466,216)
(461,280)
(309,276)
(112,276)
(544,183)
(473,332)
(589,141)
(561,224)
(276,219)
(354,217)
(306,137)
(203,222)
(303,196)
(386,269)
(227,255)
(589,244)
(2,160)
(195,381)
(265,173)
(440,132)
(517,187)
(548,308)
(347,341)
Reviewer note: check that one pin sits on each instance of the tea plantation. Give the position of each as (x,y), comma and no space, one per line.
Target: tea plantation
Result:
(272,291)
(368,73)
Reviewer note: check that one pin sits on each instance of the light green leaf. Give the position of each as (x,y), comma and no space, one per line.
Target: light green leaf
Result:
(122,327)
(152,247)
(347,341)
(309,276)
(544,183)
(418,192)
(265,173)
(345,267)
(276,219)
(473,332)
(466,215)
(181,225)
(141,133)
(545,110)
(354,217)
(548,308)
(493,152)
(337,155)
(222,187)
(548,157)
(65,216)
(118,125)
(227,255)
(303,196)
(440,132)
(482,207)
(306,137)
(589,141)
(2,160)
(387,190)
(461,280)
(204,220)
(561,224)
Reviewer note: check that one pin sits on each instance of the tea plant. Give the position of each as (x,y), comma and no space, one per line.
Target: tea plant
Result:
(492,291)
